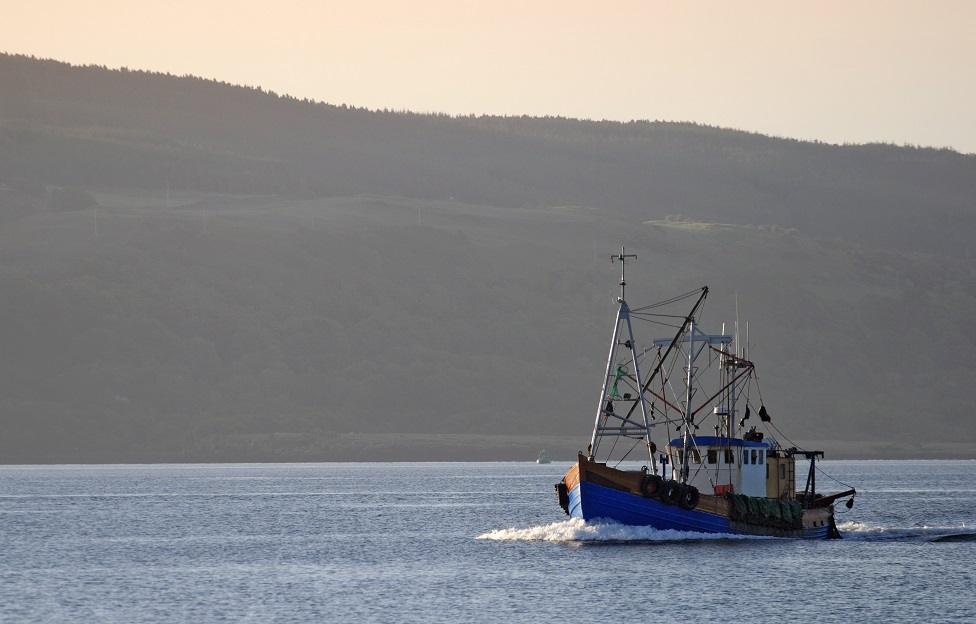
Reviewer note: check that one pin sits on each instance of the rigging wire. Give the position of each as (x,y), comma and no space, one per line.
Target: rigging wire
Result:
(613,446)
(657,315)
(628,452)
(785,437)
(676,299)
(674,393)
(833,478)
(662,323)
(667,419)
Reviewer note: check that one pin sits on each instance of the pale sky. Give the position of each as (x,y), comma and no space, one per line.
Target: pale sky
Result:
(902,72)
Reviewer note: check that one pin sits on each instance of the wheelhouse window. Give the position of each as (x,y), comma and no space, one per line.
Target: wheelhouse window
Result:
(782,471)
(712,456)
(729,456)
(762,456)
(753,456)
(745,456)
(695,456)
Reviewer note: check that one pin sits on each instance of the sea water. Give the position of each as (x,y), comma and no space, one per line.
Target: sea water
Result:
(458,542)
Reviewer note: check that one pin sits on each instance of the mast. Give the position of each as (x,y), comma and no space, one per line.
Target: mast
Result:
(607,422)
(601,407)
(728,370)
(731,415)
(689,416)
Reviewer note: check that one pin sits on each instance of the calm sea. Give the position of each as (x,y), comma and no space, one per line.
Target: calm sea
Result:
(456,542)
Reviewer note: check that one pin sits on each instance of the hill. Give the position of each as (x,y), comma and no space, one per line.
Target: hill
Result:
(192,270)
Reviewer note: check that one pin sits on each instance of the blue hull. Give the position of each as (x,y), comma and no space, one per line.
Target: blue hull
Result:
(591,502)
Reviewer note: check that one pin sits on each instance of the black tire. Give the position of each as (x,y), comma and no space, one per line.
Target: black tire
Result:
(562,496)
(671,492)
(689,497)
(651,485)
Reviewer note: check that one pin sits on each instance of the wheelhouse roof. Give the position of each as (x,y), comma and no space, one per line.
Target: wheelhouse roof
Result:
(721,442)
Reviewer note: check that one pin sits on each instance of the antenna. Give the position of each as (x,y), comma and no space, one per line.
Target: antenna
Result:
(738,346)
(622,257)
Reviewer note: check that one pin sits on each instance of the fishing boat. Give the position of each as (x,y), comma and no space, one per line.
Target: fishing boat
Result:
(543,458)
(733,480)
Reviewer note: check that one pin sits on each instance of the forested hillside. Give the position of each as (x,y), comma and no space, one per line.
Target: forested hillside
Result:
(196,270)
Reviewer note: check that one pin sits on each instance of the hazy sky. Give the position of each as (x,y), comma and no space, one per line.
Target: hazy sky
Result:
(837,71)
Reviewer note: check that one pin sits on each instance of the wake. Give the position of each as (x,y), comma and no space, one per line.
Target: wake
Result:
(578,530)
(869,531)
(607,531)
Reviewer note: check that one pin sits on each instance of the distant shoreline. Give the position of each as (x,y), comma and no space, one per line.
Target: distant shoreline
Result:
(285,448)
(555,462)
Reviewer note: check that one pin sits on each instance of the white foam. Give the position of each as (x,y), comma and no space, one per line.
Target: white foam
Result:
(855,526)
(870,528)
(871,532)
(578,530)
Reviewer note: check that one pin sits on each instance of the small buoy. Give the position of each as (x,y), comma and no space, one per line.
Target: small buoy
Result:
(850,503)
